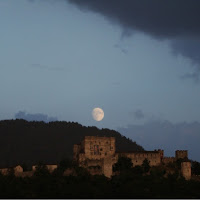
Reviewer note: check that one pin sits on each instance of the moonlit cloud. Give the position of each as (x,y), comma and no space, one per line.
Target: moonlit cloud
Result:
(137,114)
(34,117)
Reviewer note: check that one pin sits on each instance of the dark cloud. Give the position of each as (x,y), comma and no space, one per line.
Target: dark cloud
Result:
(166,135)
(176,20)
(159,18)
(190,48)
(34,117)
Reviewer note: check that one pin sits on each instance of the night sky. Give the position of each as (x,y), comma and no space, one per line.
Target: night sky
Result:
(138,60)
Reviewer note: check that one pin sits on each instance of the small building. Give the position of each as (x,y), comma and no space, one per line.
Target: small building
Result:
(4,171)
(18,169)
(50,168)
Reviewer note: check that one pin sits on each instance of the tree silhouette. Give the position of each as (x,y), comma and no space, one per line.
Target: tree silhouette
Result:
(123,164)
(145,165)
(195,168)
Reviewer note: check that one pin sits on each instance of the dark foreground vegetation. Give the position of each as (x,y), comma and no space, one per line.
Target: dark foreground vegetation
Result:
(30,142)
(138,182)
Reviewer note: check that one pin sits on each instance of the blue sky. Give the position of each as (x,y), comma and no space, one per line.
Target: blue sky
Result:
(62,61)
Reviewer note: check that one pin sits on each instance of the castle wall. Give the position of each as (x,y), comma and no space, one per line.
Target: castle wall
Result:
(186,170)
(76,151)
(82,160)
(94,162)
(167,160)
(107,167)
(137,158)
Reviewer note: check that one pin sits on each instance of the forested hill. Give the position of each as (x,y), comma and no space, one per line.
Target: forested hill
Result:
(30,142)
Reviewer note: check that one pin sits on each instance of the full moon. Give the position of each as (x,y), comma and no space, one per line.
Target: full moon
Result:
(97,114)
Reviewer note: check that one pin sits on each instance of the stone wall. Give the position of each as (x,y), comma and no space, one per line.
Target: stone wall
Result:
(107,167)
(76,151)
(167,160)
(186,170)
(137,158)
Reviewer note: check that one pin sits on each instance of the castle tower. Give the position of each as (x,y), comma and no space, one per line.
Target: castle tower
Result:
(96,151)
(99,147)
(161,153)
(186,170)
(181,154)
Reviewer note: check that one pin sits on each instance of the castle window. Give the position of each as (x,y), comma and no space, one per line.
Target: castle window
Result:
(111,148)
(101,149)
(96,149)
(105,154)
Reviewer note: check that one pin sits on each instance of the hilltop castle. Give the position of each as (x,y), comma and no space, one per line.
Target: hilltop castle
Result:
(98,155)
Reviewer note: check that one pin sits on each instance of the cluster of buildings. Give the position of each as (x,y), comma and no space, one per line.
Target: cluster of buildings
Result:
(98,155)
(18,170)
